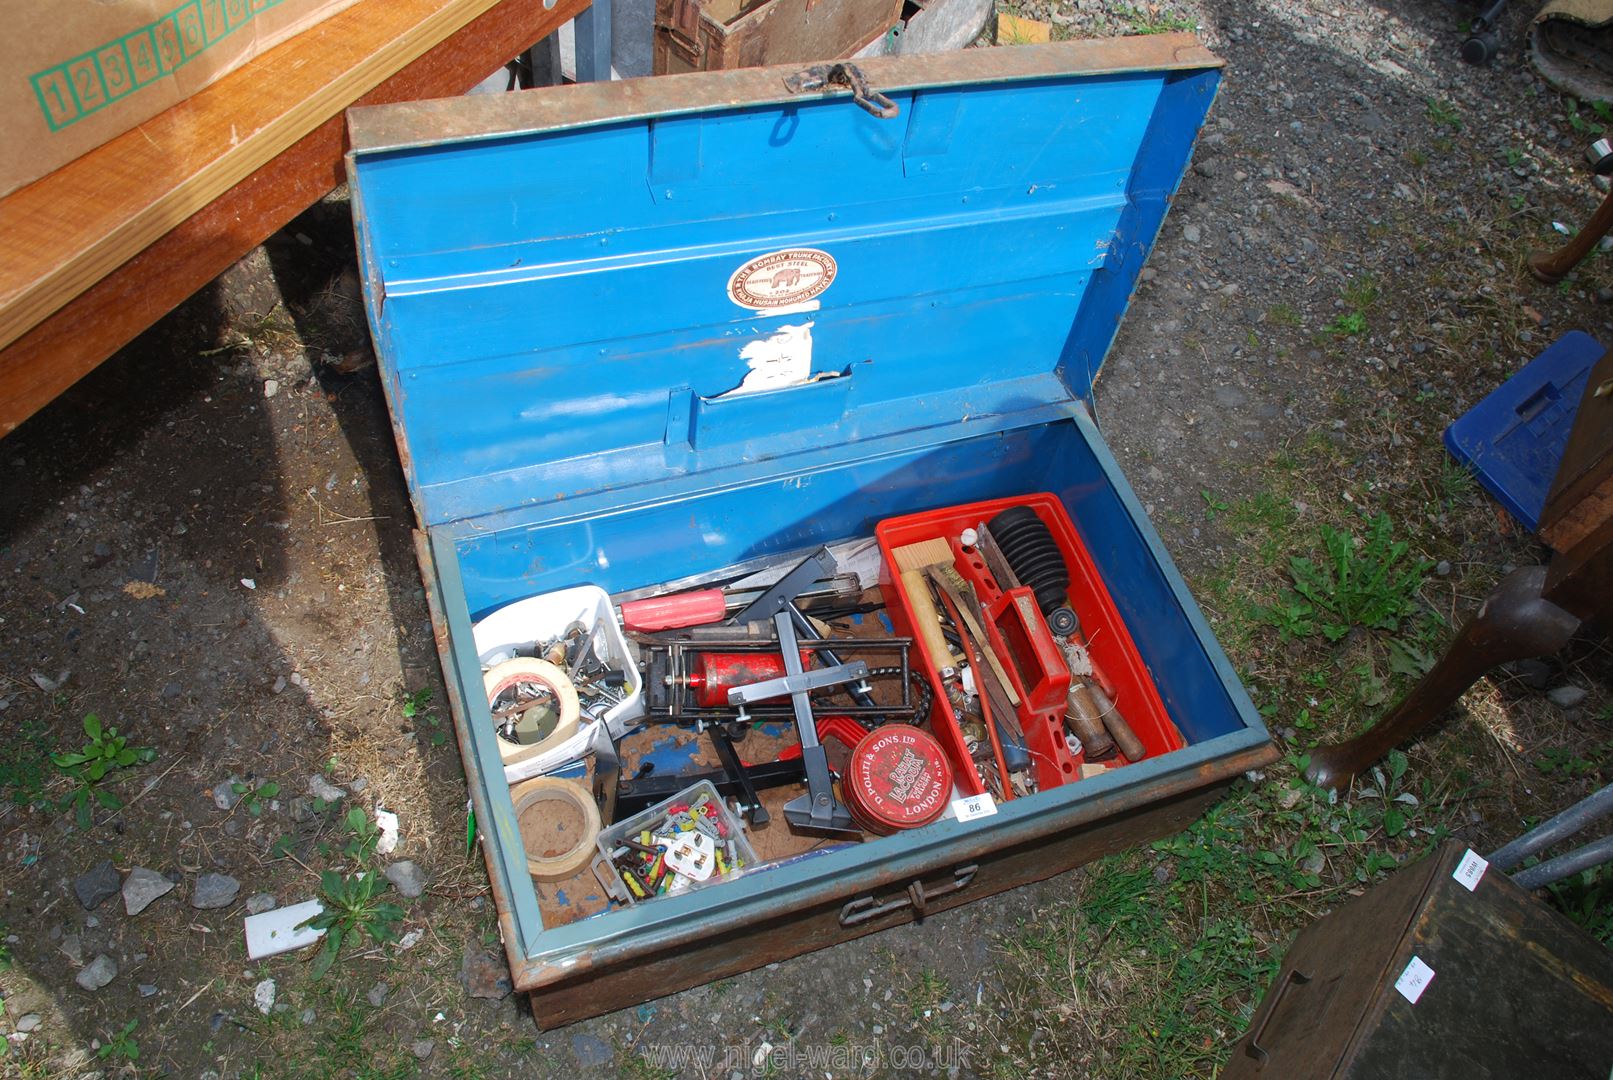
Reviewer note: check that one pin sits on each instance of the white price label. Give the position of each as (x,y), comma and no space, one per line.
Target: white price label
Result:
(1414,980)
(974,807)
(1470,871)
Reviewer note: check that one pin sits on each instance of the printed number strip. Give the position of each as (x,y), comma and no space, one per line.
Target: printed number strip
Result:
(87,83)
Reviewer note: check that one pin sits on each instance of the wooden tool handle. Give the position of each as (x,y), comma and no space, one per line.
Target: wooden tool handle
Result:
(1125,738)
(977,632)
(927,623)
(1086,721)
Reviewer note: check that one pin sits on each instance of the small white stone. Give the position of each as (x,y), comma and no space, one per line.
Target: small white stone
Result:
(263,996)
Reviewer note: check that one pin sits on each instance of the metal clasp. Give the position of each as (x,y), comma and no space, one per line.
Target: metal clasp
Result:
(916,897)
(849,76)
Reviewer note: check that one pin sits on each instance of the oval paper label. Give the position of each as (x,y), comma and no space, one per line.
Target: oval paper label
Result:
(782,279)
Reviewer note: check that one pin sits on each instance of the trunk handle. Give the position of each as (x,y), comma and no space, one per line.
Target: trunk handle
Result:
(917,897)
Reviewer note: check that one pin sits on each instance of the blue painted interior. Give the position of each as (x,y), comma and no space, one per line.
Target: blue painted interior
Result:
(673,533)
(556,319)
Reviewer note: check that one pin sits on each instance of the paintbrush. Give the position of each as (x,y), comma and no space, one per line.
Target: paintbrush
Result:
(911,563)
(962,593)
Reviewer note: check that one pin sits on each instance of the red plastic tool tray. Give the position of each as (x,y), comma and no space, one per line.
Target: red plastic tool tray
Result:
(1117,666)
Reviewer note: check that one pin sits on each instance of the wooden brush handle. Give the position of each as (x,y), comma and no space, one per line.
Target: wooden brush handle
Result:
(976,631)
(1125,738)
(927,624)
(1086,721)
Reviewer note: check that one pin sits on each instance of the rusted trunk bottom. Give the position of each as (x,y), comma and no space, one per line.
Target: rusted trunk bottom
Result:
(793,933)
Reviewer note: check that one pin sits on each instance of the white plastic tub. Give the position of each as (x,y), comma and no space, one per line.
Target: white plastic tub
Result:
(517,629)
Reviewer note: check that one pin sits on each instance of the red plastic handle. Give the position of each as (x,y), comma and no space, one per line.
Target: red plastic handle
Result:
(1040,666)
(677,610)
(842,729)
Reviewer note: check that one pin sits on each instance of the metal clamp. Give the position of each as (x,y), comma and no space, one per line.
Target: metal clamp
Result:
(917,897)
(849,76)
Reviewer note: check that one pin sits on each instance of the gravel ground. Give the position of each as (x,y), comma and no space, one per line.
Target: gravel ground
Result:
(206,544)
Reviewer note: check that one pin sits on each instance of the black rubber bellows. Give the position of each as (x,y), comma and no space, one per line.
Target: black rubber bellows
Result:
(1034,555)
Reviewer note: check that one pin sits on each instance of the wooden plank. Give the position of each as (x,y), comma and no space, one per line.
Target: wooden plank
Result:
(53,355)
(61,234)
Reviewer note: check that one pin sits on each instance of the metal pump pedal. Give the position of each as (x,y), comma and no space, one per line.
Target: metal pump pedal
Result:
(818,811)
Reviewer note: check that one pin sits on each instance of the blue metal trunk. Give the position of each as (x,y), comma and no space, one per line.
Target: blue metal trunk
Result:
(562,287)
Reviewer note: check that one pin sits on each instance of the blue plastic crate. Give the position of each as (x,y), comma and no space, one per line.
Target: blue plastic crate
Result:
(1514,438)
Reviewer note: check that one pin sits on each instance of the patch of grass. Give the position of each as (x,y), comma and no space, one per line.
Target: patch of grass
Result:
(1154,967)
(352,907)
(1370,583)
(104,753)
(1349,324)
(417,707)
(121,1047)
(640,1067)
(1443,114)
(1358,295)
(351,1045)
(1456,483)
(25,765)
(1284,315)
(1587,898)
(1152,20)
(1265,518)
(255,798)
(1213,505)
(929,989)
(1576,761)
(363,834)
(1588,117)
(1362,292)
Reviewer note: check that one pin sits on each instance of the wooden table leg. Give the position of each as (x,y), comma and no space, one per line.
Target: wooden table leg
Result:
(1515,623)
(1552,266)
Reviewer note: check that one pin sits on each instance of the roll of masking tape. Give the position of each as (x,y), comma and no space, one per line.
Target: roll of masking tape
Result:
(559,826)
(540,727)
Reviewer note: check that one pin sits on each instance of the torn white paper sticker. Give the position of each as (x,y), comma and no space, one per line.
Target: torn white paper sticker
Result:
(783,358)
(1414,980)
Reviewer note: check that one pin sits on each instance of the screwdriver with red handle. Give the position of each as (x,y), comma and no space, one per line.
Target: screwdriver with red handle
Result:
(675,610)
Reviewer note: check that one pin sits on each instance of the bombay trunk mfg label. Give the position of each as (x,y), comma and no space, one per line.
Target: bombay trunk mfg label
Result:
(782,279)
(900,777)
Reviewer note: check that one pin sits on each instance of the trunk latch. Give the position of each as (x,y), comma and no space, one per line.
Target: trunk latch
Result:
(847,76)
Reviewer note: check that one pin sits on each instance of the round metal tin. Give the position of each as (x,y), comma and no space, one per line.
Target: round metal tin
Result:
(896,778)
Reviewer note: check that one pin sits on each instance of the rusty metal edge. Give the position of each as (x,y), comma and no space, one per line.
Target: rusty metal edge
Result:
(423,123)
(503,899)
(531,974)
